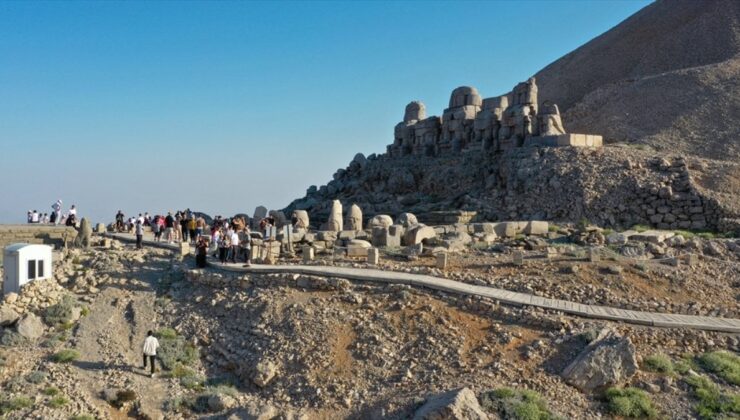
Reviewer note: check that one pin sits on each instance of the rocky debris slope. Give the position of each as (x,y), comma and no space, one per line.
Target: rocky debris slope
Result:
(667,76)
(612,186)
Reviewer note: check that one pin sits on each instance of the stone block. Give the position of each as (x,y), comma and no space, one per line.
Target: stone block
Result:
(100,228)
(483,227)
(537,228)
(373,256)
(386,237)
(347,234)
(441,262)
(358,248)
(518,258)
(308,254)
(593,255)
(417,234)
(509,229)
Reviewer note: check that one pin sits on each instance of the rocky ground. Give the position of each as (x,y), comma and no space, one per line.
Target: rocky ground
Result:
(289,346)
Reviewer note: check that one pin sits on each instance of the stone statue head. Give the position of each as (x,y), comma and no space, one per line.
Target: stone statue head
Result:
(525,93)
(415,111)
(465,95)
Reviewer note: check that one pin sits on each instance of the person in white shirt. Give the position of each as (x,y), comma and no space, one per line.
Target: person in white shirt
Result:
(56,214)
(35,217)
(234,246)
(73,211)
(151,345)
(139,230)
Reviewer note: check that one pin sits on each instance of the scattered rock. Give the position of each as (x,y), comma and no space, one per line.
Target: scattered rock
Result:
(459,404)
(607,361)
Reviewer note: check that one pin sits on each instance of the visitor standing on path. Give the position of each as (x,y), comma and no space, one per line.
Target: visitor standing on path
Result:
(56,214)
(151,345)
(169,223)
(139,234)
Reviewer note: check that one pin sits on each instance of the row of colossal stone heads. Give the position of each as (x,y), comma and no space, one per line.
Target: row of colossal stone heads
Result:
(336,222)
(471,122)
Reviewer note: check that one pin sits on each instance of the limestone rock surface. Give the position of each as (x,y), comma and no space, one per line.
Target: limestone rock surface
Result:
(459,404)
(607,361)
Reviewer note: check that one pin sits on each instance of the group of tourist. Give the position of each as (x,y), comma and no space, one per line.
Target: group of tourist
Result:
(228,239)
(55,217)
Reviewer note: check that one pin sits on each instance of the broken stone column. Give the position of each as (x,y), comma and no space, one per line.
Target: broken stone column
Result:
(373,256)
(335,223)
(593,255)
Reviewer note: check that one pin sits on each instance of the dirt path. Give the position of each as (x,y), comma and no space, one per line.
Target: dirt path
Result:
(109,340)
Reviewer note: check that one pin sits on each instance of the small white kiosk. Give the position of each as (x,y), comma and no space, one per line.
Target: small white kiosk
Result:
(24,263)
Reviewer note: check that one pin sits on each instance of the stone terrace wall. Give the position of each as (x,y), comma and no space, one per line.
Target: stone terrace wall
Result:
(610,186)
(36,234)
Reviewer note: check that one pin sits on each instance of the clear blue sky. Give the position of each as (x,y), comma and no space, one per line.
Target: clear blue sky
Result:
(223,106)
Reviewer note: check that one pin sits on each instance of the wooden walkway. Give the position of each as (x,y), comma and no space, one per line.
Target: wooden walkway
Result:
(504,296)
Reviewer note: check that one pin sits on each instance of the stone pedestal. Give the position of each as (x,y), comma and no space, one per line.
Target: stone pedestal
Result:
(100,228)
(518,258)
(442,261)
(308,254)
(593,255)
(373,256)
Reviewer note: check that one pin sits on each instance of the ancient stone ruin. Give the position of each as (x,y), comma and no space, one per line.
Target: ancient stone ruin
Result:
(493,124)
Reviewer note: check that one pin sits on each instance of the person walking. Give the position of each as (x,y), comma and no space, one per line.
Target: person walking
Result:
(139,234)
(151,345)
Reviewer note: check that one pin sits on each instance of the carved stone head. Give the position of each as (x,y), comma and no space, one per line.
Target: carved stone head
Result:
(465,95)
(415,111)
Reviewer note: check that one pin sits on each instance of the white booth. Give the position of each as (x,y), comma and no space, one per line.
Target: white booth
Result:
(24,263)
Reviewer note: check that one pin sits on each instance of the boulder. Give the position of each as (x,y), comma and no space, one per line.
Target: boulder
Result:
(7,316)
(381,220)
(30,326)
(221,402)
(418,233)
(407,220)
(458,404)
(607,361)
(264,372)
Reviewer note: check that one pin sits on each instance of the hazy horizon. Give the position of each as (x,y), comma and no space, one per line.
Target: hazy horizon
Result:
(221,107)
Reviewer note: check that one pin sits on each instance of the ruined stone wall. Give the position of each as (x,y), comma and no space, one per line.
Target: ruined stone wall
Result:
(611,186)
(36,234)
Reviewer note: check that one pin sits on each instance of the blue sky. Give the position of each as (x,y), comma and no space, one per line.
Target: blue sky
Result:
(223,106)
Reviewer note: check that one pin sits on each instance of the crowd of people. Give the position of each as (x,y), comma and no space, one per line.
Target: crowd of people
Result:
(55,217)
(228,239)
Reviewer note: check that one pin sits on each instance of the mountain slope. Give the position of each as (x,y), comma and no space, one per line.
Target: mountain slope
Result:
(667,76)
